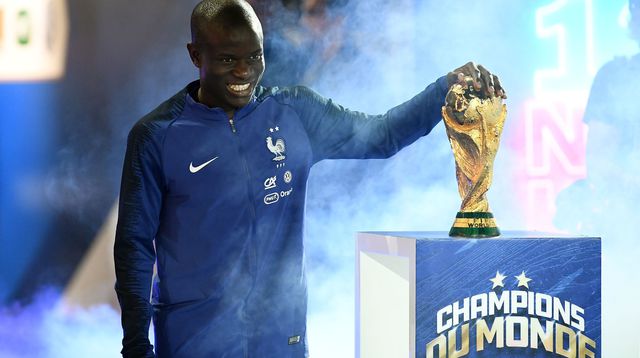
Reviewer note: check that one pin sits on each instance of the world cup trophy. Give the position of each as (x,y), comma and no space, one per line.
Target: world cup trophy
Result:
(474,125)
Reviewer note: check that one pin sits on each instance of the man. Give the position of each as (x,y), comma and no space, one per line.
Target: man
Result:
(216,178)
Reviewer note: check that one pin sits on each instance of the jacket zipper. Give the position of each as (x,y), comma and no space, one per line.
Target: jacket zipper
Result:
(253,262)
(233,126)
(250,192)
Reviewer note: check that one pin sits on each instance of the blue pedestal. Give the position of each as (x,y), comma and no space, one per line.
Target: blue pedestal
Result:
(522,294)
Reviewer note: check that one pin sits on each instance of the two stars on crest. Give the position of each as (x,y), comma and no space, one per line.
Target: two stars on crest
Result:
(523,280)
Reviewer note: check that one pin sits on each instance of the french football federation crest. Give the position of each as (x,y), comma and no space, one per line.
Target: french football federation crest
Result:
(277,149)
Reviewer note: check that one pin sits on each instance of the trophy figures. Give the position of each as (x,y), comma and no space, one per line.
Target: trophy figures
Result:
(474,125)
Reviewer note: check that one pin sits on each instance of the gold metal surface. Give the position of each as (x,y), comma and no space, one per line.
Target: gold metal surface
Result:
(473,126)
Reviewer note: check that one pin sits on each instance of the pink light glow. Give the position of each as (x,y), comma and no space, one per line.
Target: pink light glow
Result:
(551,138)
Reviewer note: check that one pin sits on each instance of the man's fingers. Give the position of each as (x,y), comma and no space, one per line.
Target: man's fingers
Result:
(471,70)
(467,75)
(478,77)
(455,77)
(499,90)
(487,81)
(469,81)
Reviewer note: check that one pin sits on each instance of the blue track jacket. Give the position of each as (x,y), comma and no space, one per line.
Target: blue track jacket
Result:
(219,205)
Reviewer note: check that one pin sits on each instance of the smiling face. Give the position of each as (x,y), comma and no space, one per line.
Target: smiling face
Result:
(230,61)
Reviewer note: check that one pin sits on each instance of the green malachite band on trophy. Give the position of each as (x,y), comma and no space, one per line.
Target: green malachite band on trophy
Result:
(474,224)
(472,215)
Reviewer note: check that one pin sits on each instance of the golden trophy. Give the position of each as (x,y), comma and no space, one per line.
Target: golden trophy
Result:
(474,125)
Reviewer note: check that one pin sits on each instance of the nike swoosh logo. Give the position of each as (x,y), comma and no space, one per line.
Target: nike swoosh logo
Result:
(193,169)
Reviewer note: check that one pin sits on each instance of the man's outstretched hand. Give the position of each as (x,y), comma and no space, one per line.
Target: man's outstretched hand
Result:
(485,83)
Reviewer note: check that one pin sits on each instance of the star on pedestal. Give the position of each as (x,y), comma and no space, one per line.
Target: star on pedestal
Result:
(523,280)
(497,281)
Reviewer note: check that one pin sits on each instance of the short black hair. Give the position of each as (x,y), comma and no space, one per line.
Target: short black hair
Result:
(225,13)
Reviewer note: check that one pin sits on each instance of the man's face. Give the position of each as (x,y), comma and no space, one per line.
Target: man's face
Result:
(231,65)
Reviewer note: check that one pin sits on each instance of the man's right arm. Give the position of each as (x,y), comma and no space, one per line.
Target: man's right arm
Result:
(134,253)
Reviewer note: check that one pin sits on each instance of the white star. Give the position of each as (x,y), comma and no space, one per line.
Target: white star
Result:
(497,281)
(277,129)
(271,130)
(523,280)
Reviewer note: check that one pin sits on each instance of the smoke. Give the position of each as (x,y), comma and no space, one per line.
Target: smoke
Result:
(604,203)
(47,328)
(396,51)
(385,53)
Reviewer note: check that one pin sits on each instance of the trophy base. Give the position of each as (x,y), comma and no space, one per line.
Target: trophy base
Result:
(405,279)
(474,224)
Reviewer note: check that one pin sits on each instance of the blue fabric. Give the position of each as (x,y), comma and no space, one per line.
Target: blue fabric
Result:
(228,231)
